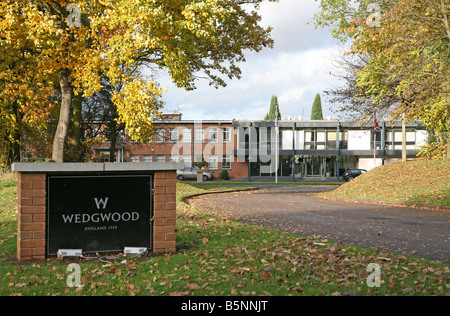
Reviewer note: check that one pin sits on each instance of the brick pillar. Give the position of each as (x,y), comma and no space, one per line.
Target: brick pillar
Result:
(164,212)
(31,216)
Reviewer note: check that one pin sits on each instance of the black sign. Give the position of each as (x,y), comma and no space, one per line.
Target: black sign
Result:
(99,213)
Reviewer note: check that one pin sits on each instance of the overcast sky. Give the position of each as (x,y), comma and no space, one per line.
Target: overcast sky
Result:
(295,70)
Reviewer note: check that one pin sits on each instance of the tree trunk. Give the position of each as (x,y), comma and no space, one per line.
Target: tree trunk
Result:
(113,138)
(76,127)
(17,134)
(64,116)
(447,97)
(403,139)
(13,149)
(448,130)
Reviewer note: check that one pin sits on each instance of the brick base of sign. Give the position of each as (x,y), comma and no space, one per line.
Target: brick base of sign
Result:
(31,230)
(164,212)
(31,216)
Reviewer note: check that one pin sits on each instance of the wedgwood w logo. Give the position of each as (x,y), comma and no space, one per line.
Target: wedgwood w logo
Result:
(101,202)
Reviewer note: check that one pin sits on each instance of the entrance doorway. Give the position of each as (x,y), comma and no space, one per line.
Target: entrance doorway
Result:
(313,166)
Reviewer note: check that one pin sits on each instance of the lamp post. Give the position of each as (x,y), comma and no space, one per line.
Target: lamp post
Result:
(337,150)
(250,125)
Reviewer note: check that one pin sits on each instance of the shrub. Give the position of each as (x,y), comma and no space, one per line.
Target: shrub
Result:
(224,175)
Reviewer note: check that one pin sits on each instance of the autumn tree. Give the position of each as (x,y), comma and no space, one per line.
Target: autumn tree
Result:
(352,102)
(90,38)
(99,120)
(26,87)
(410,59)
(337,14)
(407,53)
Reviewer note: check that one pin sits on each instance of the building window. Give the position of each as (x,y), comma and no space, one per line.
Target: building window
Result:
(160,158)
(148,158)
(213,162)
(134,158)
(199,135)
(186,135)
(331,140)
(243,138)
(343,140)
(226,162)
(321,140)
(226,135)
(265,138)
(198,158)
(394,140)
(160,135)
(212,136)
(310,140)
(410,140)
(173,158)
(173,135)
(398,141)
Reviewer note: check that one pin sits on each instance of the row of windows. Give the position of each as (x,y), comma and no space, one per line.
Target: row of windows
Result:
(325,139)
(394,140)
(313,139)
(213,160)
(186,135)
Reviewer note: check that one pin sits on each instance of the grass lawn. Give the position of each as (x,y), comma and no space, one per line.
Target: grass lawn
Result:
(420,182)
(217,257)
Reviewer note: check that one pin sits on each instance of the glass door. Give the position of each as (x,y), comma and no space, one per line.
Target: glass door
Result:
(315,166)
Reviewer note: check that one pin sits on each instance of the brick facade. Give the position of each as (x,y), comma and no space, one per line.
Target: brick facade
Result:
(31,237)
(180,145)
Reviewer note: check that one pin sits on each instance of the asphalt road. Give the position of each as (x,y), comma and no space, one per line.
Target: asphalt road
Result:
(296,209)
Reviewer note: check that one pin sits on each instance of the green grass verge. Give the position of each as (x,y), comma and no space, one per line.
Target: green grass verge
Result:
(418,182)
(218,257)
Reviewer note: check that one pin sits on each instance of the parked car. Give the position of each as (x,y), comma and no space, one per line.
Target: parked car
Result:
(191,173)
(353,173)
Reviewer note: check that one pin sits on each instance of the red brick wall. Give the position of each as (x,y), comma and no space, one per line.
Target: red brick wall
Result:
(31,224)
(31,216)
(164,211)
(238,170)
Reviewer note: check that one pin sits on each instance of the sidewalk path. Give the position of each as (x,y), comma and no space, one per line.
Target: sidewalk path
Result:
(295,209)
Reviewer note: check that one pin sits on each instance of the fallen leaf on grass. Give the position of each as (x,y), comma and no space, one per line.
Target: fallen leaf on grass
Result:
(240,270)
(193,286)
(179,293)
(299,290)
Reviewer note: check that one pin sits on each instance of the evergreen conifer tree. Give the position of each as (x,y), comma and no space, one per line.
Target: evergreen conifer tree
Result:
(316,112)
(274,110)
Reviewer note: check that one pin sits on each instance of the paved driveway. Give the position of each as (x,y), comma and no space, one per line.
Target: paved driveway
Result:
(295,209)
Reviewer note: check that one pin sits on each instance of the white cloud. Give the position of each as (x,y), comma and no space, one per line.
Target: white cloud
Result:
(295,70)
